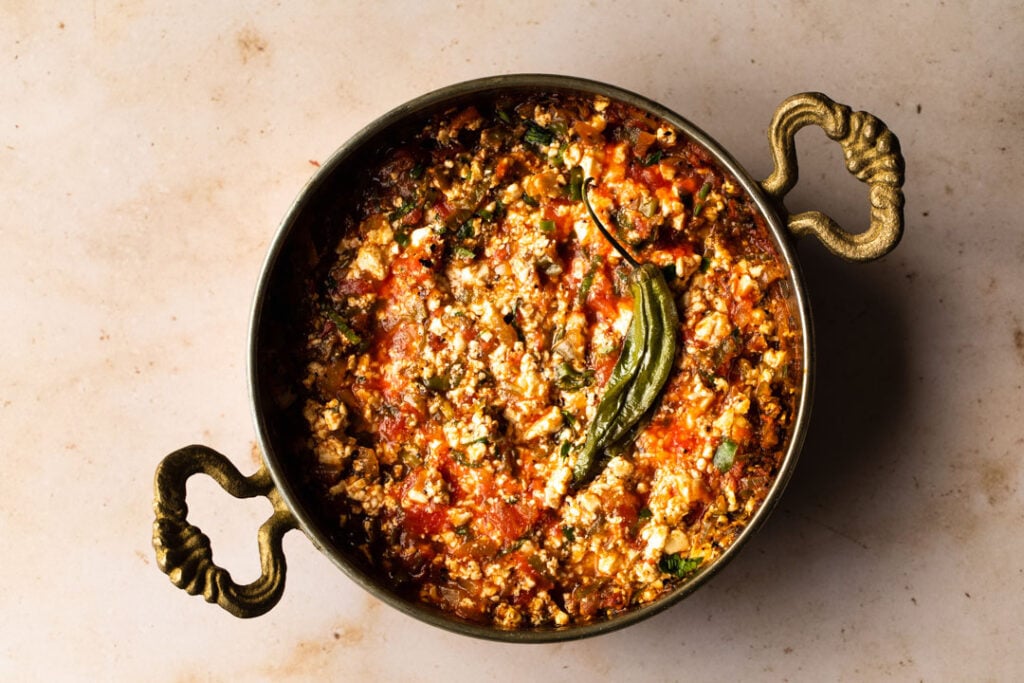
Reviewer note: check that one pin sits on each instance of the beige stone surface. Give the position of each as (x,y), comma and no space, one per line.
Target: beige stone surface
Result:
(148,151)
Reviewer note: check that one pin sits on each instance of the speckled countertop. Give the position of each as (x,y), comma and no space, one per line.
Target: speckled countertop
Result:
(147,153)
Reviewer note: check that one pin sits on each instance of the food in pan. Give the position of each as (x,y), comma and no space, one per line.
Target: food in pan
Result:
(551,361)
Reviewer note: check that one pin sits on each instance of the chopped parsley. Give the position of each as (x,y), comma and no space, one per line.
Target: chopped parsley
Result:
(588,279)
(576,184)
(702,194)
(460,457)
(343,327)
(725,455)
(571,379)
(402,211)
(678,566)
(538,134)
(653,158)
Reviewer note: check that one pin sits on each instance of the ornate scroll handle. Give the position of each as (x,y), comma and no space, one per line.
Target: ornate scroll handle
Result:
(183,551)
(872,154)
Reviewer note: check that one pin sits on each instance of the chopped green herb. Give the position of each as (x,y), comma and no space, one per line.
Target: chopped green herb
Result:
(462,530)
(417,171)
(402,211)
(568,418)
(705,264)
(402,238)
(343,327)
(410,457)
(623,221)
(436,383)
(653,158)
(570,379)
(569,533)
(465,231)
(530,201)
(464,253)
(702,194)
(503,115)
(576,184)
(679,566)
(649,207)
(645,513)
(725,455)
(514,547)
(460,457)
(669,272)
(588,279)
(559,158)
(512,319)
(707,377)
(547,226)
(563,450)
(537,134)
(727,348)
(549,267)
(482,439)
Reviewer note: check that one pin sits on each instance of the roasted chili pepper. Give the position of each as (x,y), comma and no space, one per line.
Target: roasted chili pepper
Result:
(644,364)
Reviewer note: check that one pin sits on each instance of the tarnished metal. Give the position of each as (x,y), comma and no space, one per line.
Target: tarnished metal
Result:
(183,551)
(872,154)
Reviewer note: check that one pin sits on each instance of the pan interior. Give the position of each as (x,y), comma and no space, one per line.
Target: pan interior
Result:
(311,228)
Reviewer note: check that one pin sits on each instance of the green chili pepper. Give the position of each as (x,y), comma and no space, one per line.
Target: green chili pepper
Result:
(644,364)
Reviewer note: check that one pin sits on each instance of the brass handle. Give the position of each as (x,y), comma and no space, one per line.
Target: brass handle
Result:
(183,551)
(872,154)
